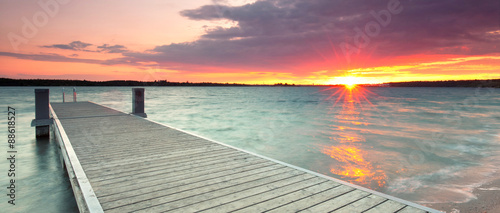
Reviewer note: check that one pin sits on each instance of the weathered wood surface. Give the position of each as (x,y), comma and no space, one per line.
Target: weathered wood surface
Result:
(136,165)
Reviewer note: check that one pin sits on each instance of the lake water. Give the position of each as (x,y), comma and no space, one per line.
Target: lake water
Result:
(425,145)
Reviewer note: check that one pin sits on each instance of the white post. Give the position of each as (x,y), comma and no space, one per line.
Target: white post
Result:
(74,94)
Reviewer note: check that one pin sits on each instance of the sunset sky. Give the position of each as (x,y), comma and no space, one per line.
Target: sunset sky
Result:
(248,41)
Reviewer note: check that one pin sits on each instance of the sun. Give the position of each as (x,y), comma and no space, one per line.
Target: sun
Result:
(349,82)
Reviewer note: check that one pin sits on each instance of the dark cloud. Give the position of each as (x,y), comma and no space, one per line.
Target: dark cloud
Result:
(279,34)
(75,45)
(112,48)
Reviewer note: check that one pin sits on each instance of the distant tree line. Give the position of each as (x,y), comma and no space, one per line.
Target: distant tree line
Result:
(53,82)
(463,83)
(284,84)
(49,82)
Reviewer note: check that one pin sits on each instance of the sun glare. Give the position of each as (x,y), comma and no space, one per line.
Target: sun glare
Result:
(350,82)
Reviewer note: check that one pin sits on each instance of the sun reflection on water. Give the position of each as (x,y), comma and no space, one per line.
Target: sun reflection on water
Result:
(351,164)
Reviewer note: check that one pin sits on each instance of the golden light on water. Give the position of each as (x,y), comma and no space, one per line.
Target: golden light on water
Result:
(351,160)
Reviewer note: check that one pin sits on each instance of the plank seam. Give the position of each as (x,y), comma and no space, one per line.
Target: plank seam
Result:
(376,205)
(404,207)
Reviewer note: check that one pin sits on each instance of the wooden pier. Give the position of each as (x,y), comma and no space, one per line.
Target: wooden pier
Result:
(118,162)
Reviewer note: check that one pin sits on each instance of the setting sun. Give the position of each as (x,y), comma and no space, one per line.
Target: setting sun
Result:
(350,82)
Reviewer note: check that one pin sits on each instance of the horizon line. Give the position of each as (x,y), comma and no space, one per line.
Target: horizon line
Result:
(236,83)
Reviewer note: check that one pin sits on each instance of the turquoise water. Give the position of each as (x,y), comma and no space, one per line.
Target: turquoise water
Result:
(425,145)
(40,182)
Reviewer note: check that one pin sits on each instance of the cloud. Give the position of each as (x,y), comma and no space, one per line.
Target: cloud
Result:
(60,58)
(112,49)
(292,34)
(75,45)
(49,57)
(82,46)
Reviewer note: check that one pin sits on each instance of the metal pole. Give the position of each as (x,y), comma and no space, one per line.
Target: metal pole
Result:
(138,102)
(74,94)
(42,111)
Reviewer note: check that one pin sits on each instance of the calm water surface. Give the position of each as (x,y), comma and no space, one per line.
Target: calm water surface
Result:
(425,145)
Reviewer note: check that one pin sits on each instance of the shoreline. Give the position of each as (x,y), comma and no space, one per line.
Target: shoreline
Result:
(488,200)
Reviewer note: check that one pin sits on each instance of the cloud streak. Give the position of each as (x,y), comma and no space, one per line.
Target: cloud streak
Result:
(49,57)
(60,58)
(82,46)
(112,48)
(75,45)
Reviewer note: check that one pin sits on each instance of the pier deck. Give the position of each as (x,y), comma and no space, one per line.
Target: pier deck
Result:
(119,162)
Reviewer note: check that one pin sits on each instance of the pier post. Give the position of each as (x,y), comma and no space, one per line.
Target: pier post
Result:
(74,94)
(42,119)
(138,102)
(63,96)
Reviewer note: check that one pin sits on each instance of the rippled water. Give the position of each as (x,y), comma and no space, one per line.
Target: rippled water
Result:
(421,144)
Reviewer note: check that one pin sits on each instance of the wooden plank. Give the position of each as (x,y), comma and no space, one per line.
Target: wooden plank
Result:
(254,198)
(314,199)
(288,198)
(362,205)
(338,202)
(387,206)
